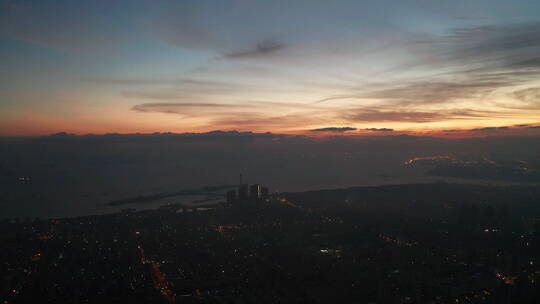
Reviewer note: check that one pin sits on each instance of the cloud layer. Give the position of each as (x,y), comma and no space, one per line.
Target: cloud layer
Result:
(333,129)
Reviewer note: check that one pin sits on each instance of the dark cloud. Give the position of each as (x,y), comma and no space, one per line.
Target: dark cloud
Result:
(229,135)
(379,129)
(492,129)
(263,48)
(489,129)
(62,134)
(333,129)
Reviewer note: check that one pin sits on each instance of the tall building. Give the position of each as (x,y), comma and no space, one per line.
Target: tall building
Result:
(255,191)
(243,194)
(231,196)
(264,192)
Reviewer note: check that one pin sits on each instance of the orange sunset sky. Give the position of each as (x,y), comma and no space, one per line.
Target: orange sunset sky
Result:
(449,69)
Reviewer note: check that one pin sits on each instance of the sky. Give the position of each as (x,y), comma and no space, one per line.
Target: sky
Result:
(445,68)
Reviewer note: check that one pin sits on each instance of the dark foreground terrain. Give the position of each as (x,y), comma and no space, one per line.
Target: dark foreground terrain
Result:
(426,243)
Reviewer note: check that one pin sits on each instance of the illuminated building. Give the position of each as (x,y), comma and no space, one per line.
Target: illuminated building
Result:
(255,191)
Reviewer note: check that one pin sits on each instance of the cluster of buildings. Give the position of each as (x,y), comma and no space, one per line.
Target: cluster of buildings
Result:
(247,194)
(300,248)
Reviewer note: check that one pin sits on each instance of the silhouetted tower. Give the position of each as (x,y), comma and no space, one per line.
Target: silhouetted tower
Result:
(243,193)
(264,192)
(255,191)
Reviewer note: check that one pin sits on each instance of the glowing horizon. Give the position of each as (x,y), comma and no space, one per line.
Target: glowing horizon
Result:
(441,69)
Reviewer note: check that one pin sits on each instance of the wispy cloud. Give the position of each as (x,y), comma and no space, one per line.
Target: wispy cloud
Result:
(424,92)
(466,66)
(435,92)
(178,108)
(178,89)
(495,39)
(153,81)
(383,115)
(255,120)
(253,115)
(530,96)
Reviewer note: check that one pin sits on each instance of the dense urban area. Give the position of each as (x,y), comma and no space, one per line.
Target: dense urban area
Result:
(418,243)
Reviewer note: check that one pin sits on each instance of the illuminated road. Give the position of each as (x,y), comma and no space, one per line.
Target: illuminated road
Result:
(159,278)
